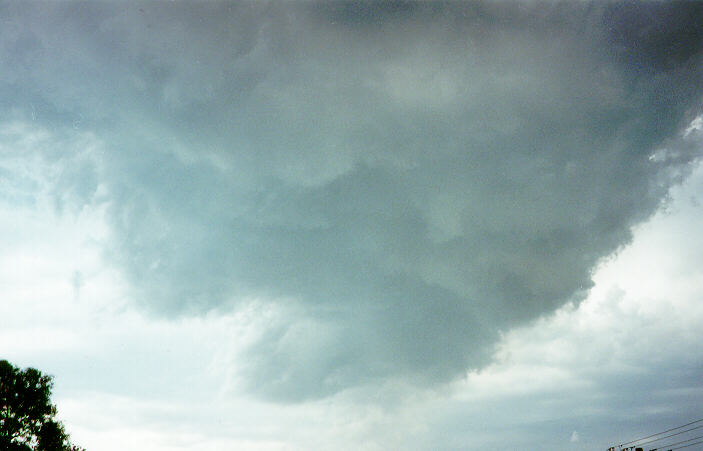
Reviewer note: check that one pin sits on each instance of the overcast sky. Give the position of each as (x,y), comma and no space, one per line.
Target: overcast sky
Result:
(354,225)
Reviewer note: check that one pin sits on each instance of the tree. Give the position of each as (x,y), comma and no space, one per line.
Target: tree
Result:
(26,414)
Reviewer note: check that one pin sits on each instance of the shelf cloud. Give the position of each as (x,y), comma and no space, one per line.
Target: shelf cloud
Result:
(398,183)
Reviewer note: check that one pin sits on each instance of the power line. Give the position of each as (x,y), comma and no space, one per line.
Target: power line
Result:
(686,446)
(660,433)
(677,443)
(670,435)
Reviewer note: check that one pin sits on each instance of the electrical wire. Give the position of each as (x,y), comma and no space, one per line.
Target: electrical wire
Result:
(670,435)
(660,433)
(677,443)
(685,446)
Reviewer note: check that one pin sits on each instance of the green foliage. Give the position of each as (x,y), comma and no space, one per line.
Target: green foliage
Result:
(26,413)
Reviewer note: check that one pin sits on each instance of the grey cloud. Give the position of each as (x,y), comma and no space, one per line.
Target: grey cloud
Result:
(412,178)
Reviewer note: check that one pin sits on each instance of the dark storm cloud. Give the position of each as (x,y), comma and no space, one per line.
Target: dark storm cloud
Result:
(405,179)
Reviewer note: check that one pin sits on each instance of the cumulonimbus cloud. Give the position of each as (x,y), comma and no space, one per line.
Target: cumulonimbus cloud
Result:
(405,181)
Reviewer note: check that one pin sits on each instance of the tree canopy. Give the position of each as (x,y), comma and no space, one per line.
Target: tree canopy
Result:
(27,417)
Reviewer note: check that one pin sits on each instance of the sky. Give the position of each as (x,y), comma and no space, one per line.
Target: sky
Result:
(354,225)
